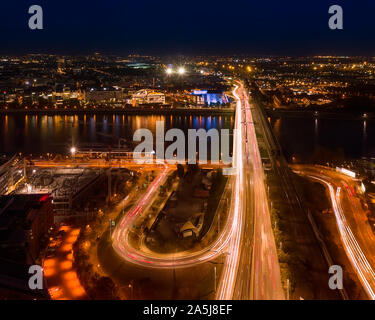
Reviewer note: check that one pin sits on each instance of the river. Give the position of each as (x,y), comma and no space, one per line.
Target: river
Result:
(303,137)
(40,134)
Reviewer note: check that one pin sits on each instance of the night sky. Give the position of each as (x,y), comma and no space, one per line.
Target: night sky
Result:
(188,27)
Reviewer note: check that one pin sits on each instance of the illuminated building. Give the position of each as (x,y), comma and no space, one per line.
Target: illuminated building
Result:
(147,97)
(208,97)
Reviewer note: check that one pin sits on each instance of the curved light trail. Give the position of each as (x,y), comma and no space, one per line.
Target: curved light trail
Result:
(124,248)
(227,283)
(353,250)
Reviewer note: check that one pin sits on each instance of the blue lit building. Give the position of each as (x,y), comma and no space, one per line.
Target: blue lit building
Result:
(208,97)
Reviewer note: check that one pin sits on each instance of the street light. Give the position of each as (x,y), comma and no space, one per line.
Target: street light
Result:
(181,70)
(130,286)
(169,71)
(73,151)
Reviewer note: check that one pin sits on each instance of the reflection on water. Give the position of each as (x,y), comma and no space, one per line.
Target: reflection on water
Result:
(364,131)
(302,136)
(56,134)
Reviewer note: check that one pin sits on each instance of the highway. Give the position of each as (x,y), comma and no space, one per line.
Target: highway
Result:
(355,232)
(253,266)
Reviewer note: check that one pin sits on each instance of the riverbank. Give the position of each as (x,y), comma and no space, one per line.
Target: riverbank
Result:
(341,114)
(124,111)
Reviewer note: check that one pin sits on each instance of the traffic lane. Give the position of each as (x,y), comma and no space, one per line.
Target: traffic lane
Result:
(230,272)
(352,207)
(268,264)
(353,249)
(266,276)
(243,279)
(360,226)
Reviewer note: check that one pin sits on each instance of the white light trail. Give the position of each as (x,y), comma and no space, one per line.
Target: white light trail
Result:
(227,283)
(353,250)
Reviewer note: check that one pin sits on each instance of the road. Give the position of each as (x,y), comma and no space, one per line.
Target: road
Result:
(355,232)
(253,262)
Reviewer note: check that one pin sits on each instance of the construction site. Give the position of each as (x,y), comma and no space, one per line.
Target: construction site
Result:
(77,191)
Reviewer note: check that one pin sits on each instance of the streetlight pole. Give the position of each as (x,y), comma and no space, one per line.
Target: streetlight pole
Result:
(215,273)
